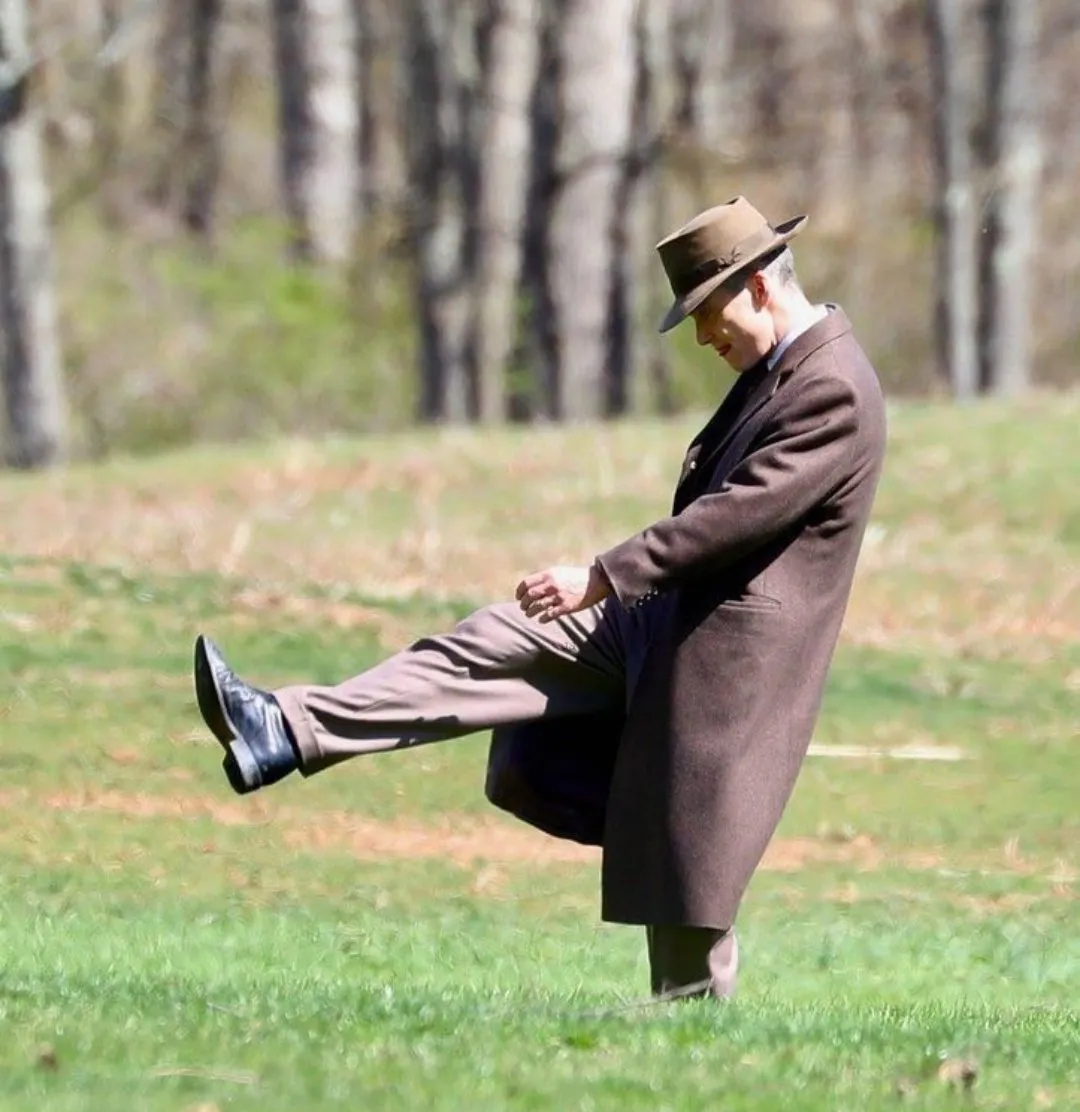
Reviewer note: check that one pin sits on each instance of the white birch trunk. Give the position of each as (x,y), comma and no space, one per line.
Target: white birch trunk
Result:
(596,73)
(33,387)
(318,122)
(1014,163)
(505,141)
(956,269)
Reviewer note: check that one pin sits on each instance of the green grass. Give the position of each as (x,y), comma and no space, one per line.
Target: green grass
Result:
(379,937)
(394,988)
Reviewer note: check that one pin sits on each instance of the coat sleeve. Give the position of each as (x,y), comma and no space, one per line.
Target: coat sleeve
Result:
(805,451)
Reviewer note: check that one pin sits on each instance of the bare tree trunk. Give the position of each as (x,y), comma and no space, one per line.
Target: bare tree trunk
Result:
(769,41)
(662,216)
(318,124)
(596,52)
(172,50)
(788,41)
(190,104)
(442,68)
(829,80)
(877,109)
(1013,161)
(33,386)
(202,139)
(876,148)
(56,94)
(109,123)
(535,396)
(383,85)
(702,41)
(368,136)
(637,358)
(956,272)
(502,183)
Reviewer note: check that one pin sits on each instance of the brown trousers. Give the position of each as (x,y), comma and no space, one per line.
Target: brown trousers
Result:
(494,668)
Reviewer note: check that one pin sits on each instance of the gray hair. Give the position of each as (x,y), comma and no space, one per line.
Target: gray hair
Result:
(780,267)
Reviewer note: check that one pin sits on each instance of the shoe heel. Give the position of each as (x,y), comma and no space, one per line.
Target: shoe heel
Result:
(245,764)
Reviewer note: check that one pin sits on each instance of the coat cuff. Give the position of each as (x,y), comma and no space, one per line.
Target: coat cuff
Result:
(622,567)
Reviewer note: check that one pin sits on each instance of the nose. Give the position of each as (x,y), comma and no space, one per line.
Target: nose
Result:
(701,331)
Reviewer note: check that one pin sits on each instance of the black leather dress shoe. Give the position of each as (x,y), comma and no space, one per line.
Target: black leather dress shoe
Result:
(259,749)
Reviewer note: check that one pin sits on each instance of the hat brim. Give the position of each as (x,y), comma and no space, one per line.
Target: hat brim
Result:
(683,306)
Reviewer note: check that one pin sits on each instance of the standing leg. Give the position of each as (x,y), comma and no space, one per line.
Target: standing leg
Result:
(689,962)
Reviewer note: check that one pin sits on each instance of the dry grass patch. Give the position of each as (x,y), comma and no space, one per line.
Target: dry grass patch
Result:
(974,545)
(255,606)
(468,841)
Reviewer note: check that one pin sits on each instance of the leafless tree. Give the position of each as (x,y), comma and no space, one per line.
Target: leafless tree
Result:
(512,41)
(33,388)
(956,267)
(383,88)
(172,51)
(1013,160)
(596,62)
(700,36)
(318,124)
(442,68)
(190,108)
(639,373)
(202,133)
(512,164)
(109,124)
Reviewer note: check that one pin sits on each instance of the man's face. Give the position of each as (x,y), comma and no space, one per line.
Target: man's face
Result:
(736,323)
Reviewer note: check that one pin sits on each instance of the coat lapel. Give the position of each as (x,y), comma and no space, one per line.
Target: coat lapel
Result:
(759,394)
(719,435)
(729,410)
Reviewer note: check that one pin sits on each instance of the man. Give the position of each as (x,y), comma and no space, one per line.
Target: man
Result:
(702,643)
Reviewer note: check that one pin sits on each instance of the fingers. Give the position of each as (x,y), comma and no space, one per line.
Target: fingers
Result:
(533,586)
(541,602)
(541,610)
(557,610)
(536,588)
(539,596)
(550,594)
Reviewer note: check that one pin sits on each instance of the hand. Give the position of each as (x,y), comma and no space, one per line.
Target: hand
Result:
(559,591)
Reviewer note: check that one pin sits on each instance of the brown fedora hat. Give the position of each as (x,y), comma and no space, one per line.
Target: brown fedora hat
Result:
(714,247)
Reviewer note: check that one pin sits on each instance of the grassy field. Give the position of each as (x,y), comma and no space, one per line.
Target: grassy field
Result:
(379,937)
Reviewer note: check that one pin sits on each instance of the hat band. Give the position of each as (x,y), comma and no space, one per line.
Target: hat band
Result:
(745,251)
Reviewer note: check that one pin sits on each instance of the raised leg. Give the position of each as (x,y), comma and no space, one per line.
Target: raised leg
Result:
(497,666)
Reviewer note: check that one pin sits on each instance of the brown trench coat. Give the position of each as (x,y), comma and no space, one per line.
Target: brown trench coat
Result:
(750,577)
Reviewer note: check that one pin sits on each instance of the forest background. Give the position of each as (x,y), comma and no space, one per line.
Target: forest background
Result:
(228,218)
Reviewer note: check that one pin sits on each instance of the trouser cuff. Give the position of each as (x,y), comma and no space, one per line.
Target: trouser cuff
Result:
(308,750)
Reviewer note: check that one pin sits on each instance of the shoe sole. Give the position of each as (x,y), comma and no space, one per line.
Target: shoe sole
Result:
(241,767)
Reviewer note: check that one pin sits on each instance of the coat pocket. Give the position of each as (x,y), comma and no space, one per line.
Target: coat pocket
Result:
(756,603)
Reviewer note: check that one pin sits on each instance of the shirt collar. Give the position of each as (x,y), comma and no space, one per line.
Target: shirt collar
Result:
(815,315)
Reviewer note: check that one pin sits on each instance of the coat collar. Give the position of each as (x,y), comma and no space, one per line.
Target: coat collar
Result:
(766,383)
(834,325)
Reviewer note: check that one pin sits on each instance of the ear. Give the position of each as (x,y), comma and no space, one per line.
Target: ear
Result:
(759,290)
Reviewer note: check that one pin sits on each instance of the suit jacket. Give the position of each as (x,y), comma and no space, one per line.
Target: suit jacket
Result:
(754,565)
